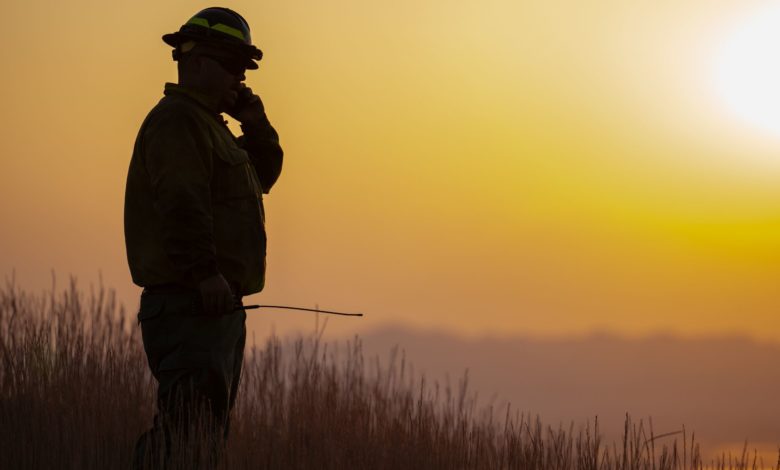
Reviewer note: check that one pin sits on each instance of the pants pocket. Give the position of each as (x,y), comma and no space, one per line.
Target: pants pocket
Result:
(151,307)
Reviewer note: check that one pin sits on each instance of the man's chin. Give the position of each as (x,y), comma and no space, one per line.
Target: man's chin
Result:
(228,104)
(229,99)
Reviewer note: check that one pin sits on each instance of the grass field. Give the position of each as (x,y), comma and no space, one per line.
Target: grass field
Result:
(75,392)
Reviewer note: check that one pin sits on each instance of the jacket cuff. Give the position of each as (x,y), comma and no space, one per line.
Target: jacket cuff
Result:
(259,130)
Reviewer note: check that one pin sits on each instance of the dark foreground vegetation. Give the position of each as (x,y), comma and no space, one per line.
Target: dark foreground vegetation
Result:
(75,393)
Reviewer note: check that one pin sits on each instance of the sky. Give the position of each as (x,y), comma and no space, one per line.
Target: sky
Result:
(543,168)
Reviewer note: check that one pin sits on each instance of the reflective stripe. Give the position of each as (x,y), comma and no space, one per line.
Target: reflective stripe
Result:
(199,21)
(222,28)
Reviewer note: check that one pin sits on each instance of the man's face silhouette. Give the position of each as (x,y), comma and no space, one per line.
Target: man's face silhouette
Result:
(217,75)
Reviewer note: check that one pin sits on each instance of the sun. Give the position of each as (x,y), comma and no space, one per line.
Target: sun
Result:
(747,75)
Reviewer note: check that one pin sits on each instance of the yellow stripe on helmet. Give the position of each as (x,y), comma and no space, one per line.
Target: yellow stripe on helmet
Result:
(222,28)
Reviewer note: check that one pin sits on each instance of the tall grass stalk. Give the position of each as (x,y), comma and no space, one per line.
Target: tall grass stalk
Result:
(75,392)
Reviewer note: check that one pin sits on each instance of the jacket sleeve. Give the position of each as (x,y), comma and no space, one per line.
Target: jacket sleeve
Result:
(178,160)
(261,142)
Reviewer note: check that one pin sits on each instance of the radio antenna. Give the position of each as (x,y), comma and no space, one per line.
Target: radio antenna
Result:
(316,310)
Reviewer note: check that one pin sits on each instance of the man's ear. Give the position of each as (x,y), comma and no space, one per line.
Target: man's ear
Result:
(193,63)
(201,64)
(196,63)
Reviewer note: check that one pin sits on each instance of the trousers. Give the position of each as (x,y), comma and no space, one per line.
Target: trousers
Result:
(196,359)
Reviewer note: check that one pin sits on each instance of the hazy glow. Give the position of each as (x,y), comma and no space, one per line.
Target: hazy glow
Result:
(748,70)
(498,167)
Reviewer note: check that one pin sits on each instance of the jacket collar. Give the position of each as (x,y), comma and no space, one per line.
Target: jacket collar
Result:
(206,101)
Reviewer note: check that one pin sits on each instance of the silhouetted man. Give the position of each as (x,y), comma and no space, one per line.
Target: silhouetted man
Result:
(194,227)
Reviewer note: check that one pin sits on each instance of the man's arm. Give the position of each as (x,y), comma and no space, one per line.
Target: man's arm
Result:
(260,139)
(261,142)
(178,160)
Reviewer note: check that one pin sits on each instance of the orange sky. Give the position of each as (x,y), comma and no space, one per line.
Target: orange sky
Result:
(495,167)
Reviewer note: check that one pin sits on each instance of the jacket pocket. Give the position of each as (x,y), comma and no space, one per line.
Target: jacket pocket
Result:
(233,177)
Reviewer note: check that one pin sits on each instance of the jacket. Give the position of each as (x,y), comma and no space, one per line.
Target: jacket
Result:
(194,196)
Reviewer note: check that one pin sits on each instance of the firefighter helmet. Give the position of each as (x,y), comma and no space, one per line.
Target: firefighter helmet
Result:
(219,27)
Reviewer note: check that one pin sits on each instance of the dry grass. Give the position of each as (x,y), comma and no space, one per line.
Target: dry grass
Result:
(75,393)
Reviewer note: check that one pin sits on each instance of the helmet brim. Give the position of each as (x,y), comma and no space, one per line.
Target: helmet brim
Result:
(252,53)
(173,39)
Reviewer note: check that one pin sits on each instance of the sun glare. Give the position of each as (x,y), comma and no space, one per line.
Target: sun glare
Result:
(748,70)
